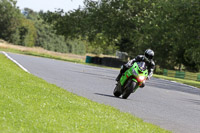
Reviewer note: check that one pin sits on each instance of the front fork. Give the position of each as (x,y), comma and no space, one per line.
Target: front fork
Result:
(121,87)
(137,84)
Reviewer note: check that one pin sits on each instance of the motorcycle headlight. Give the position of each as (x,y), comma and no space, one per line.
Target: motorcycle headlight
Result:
(141,78)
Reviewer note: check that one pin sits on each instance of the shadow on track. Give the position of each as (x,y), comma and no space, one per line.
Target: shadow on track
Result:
(106,95)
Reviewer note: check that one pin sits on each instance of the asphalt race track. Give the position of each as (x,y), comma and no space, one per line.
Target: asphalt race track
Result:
(170,105)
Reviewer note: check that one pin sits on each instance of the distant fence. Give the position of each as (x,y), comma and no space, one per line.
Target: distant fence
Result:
(182,75)
(114,62)
(106,61)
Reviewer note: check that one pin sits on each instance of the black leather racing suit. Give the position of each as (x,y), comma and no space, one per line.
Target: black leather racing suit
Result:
(150,66)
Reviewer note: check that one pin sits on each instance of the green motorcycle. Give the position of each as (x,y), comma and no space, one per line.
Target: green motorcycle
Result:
(131,80)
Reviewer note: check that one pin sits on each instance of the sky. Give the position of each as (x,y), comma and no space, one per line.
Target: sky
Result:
(52,5)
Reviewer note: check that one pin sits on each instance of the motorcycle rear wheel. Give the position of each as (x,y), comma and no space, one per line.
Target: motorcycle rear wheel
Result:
(128,89)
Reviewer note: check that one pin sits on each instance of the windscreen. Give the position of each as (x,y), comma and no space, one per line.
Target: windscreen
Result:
(142,66)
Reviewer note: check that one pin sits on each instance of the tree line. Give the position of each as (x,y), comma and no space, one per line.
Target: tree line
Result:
(27,28)
(170,27)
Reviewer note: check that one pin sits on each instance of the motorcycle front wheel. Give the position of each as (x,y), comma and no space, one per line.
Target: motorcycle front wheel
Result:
(116,91)
(128,89)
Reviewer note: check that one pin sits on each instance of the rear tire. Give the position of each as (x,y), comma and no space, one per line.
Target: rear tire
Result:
(128,89)
(116,91)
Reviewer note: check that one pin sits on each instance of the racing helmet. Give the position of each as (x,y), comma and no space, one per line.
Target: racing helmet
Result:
(149,54)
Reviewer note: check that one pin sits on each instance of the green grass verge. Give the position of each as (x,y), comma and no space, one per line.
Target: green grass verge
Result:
(30,104)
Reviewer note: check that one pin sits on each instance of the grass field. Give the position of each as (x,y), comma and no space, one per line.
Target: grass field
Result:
(30,104)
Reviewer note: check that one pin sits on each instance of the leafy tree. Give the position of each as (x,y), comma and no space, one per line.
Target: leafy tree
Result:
(27,33)
(48,39)
(9,15)
(176,34)
(171,28)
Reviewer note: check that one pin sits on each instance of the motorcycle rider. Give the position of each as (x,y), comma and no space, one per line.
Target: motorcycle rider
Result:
(147,58)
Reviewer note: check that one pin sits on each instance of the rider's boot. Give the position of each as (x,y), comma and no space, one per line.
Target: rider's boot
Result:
(119,76)
(123,69)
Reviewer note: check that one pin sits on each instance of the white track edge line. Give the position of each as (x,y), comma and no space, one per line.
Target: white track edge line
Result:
(15,62)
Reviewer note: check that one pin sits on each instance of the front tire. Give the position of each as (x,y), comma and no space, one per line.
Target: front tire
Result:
(128,89)
(116,91)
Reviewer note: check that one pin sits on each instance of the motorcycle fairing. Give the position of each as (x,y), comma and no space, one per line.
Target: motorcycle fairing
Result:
(134,71)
